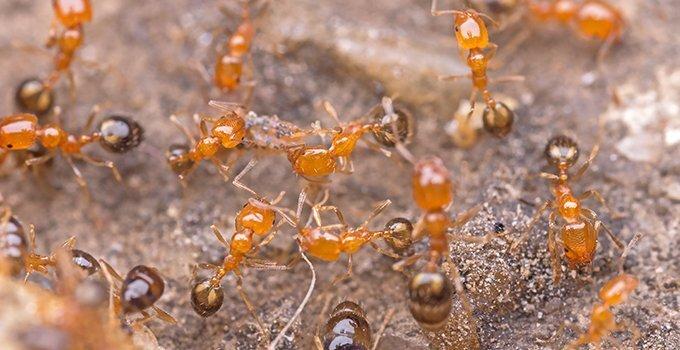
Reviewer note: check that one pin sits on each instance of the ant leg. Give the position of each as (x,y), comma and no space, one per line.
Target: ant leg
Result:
(319,320)
(382,251)
(491,53)
(600,199)
(237,180)
(249,305)
(531,224)
(332,112)
(223,169)
(510,48)
(102,163)
(345,275)
(549,176)
(460,290)
(465,216)
(453,77)
(552,248)
(90,118)
(71,85)
(386,321)
(418,229)
(406,262)
(602,52)
(39,160)
(79,176)
(590,215)
(216,231)
(508,79)
(435,12)
(281,211)
(183,129)
(627,249)
(376,211)
(318,209)
(163,315)
(593,153)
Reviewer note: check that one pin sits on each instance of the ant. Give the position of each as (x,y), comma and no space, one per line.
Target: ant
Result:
(20,252)
(35,95)
(138,291)
(430,294)
(472,35)
(579,233)
(348,328)
(229,64)
(602,322)
(116,134)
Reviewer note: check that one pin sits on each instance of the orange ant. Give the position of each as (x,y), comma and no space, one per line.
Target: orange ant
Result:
(602,322)
(579,233)
(430,294)
(138,291)
(472,35)
(34,95)
(20,251)
(348,328)
(114,133)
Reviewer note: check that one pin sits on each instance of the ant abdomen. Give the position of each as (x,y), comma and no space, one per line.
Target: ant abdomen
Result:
(120,134)
(206,298)
(561,150)
(498,121)
(85,261)
(430,298)
(399,237)
(385,135)
(32,96)
(347,328)
(13,246)
(142,287)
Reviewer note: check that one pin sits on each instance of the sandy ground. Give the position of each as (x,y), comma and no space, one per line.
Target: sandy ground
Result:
(352,53)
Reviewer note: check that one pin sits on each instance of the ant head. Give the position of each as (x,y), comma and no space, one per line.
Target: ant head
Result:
(396,128)
(498,120)
(142,287)
(399,237)
(32,96)
(561,151)
(177,157)
(470,29)
(13,244)
(120,134)
(617,290)
(18,131)
(230,129)
(206,299)
(430,295)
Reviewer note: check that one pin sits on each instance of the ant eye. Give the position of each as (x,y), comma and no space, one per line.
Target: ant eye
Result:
(9,145)
(456,28)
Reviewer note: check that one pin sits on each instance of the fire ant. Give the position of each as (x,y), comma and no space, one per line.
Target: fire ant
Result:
(348,328)
(138,291)
(116,134)
(430,294)
(472,35)
(602,322)
(20,251)
(580,231)
(35,95)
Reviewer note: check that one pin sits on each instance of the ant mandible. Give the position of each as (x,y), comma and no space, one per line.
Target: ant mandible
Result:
(580,231)
(114,133)
(35,95)
(473,35)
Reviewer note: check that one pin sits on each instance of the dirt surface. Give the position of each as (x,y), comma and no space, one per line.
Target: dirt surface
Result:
(352,53)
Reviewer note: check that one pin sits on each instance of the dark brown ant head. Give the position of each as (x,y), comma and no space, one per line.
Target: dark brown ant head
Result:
(120,134)
(561,151)
(399,234)
(498,120)
(430,296)
(33,97)
(142,287)
(206,298)
(403,124)
(85,261)
(13,246)
(177,157)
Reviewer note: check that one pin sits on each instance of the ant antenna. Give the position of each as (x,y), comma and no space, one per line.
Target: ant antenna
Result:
(626,250)
(391,116)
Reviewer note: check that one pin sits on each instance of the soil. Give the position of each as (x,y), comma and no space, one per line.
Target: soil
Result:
(352,53)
